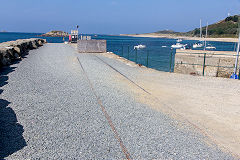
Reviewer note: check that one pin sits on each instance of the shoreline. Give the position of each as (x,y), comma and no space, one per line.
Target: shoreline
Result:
(170,36)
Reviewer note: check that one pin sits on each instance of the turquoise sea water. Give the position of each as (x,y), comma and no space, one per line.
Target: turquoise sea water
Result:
(11,36)
(154,55)
(159,57)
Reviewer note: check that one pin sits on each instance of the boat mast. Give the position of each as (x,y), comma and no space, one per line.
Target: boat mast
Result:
(200,29)
(206,38)
(238,47)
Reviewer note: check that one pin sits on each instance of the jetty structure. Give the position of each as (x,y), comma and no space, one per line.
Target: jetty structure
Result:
(63,102)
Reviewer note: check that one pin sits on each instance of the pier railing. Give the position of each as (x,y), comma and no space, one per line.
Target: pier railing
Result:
(162,60)
(193,62)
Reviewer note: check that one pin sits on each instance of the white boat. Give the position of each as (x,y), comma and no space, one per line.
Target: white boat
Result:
(178,46)
(140,46)
(210,47)
(179,40)
(164,46)
(205,45)
(199,44)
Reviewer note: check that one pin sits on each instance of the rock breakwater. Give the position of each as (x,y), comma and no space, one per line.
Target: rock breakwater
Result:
(13,50)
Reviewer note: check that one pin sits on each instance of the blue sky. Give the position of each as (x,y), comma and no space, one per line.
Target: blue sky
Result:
(112,16)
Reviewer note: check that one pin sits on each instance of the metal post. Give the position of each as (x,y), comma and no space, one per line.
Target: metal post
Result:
(122,50)
(136,55)
(239,74)
(205,45)
(170,63)
(237,57)
(77,31)
(128,53)
(147,57)
(204,61)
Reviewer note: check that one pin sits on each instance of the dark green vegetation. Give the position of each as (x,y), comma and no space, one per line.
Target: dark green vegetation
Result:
(225,28)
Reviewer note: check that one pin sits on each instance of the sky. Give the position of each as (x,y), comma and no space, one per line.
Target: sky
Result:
(112,16)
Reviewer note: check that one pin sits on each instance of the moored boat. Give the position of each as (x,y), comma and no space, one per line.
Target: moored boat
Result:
(178,46)
(140,46)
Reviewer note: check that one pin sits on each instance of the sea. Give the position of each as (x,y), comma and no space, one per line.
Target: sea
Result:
(157,54)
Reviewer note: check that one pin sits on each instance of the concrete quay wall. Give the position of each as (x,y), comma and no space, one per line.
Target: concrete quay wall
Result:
(217,63)
(13,50)
(92,46)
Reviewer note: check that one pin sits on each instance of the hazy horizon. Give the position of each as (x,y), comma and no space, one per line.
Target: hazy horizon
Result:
(112,16)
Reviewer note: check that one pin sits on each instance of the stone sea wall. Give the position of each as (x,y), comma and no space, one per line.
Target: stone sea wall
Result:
(13,50)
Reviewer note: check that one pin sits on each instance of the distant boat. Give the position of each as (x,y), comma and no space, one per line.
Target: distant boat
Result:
(210,47)
(95,35)
(199,44)
(179,40)
(178,46)
(164,46)
(140,46)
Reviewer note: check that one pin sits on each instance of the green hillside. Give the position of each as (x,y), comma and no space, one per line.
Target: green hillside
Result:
(225,28)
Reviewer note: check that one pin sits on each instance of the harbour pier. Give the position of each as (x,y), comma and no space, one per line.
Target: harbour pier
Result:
(57,103)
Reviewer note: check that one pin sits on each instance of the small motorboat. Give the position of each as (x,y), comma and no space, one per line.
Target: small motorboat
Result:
(210,47)
(178,46)
(164,46)
(198,45)
(139,46)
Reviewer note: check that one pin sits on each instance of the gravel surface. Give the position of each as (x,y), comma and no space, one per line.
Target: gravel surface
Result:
(210,103)
(48,111)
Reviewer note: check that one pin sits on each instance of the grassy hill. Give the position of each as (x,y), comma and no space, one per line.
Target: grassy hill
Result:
(225,28)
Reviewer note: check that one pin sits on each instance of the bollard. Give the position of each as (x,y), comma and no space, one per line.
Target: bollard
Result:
(147,57)
(128,53)
(204,61)
(170,63)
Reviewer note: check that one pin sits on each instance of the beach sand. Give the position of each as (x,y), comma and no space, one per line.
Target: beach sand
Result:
(171,36)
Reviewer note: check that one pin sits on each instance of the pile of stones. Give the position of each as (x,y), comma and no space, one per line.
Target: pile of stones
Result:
(13,50)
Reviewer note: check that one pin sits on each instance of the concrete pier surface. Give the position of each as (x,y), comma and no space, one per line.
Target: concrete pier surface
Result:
(60,104)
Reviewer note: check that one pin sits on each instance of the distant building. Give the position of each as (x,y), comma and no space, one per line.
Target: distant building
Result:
(73,37)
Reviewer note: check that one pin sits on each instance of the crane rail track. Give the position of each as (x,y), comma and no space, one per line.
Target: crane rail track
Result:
(124,76)
(202,131)
(116,135)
